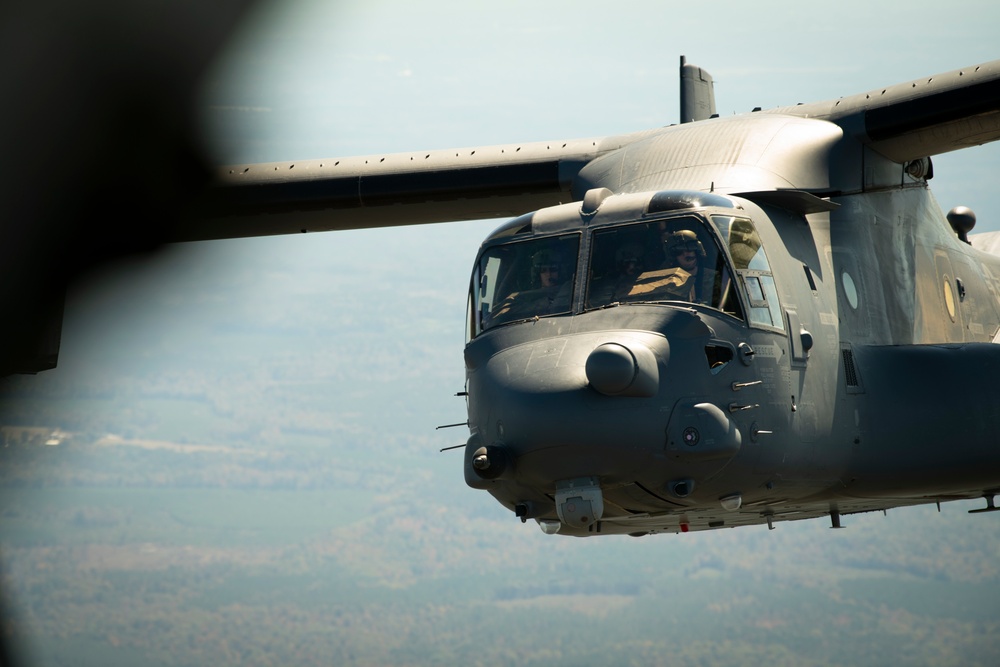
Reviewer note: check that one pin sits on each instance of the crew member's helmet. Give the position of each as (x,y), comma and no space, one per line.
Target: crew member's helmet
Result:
(682,240)
(545,260)
(628,254)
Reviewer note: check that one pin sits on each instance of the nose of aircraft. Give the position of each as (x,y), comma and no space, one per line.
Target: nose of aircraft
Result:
(568,406)
(564,421)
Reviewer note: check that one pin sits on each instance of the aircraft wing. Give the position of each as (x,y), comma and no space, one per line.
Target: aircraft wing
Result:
(927,116)
(393,189)
(906,121)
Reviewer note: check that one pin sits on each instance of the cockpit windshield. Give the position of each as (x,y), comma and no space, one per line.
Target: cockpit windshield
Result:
(663,260)
(668,260)
(523,280)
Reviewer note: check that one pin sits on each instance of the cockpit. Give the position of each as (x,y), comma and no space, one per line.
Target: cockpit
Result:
(524,280)
(705,259)
(664,260)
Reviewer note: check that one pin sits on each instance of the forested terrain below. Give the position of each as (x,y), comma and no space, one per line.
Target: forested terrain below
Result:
(128,554)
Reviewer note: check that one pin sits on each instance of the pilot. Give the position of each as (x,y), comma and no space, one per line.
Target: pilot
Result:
(615,285)
(680,279)
(684,249)
(628,260)
(547,270)
(550,290)
(628,264)
(549,274)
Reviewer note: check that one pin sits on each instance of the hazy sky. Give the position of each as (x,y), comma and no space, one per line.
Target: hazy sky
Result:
(321,79)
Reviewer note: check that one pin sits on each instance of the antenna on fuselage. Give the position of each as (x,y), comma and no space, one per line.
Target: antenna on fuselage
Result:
(697,93)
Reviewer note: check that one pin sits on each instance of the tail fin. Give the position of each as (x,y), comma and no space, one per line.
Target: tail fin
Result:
(697,93)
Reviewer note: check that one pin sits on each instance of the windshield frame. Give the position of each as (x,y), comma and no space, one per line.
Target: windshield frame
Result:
(730,293)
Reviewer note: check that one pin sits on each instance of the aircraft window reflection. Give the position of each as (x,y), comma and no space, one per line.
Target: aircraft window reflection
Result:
(743,241)
(756,292)
(665,260)
(522,280)
(752,266)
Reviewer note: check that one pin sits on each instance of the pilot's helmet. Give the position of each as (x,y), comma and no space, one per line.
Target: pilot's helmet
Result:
(627,255)
(682,240)
(546,260)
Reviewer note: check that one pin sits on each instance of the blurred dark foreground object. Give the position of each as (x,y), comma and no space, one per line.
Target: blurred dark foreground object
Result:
(98,145)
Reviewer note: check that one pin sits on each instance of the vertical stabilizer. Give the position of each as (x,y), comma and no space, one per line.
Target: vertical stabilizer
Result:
(697,93)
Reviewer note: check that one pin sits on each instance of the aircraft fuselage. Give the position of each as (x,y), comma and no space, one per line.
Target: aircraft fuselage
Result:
(811,374)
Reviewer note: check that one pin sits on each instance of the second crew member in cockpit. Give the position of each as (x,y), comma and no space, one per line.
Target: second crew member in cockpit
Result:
(553,282)
(550,290)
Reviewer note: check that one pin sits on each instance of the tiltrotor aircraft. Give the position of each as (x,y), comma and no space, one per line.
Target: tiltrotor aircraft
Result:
(729,321)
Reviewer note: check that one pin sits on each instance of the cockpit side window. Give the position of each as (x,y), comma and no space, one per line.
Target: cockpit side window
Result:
(521,280)
(752,267)
(676,259)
